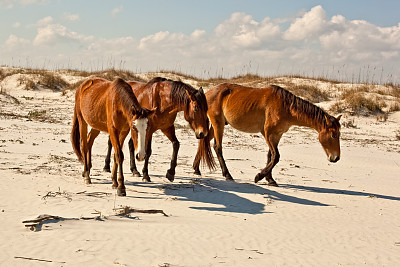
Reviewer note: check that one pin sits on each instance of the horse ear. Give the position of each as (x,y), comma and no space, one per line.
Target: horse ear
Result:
(328,121)
(152,111)
(191,95)
(338,117)
(134,108)
(201,90)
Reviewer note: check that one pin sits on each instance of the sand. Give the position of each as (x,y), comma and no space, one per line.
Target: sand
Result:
(323,214)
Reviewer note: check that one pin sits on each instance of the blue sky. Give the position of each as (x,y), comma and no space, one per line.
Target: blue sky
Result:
(206,38)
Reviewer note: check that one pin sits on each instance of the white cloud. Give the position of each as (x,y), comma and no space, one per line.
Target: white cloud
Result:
(312,43)
(7,4)
(49,33)
(71,17)
(312,23)
(116,10)
(14,41)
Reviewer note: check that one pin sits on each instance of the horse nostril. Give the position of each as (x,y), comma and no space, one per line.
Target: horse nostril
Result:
(200,135)
(334,159)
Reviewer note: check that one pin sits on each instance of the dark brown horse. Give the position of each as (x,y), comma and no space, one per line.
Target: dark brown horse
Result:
(270,111)
(113,108)
(168,98)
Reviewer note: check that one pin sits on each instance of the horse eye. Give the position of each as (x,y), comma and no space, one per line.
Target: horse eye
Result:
(333,135)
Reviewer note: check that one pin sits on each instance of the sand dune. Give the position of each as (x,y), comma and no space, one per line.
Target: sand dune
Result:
(322,214)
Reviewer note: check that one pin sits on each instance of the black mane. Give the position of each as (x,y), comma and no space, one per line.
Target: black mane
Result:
(303,108)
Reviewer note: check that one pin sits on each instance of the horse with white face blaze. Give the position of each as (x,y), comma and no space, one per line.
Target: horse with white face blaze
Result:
(109,107)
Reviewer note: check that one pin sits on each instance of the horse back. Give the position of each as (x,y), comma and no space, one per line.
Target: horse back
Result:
(244,108)
(91,102)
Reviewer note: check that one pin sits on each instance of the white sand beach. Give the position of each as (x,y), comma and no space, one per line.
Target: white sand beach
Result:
(323,214)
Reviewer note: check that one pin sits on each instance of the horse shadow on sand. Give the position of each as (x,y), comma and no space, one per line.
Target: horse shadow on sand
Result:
(322,190)
(224,196)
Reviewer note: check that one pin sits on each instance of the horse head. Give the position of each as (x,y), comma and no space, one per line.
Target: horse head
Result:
(140,131)
(196,113)
(329,138)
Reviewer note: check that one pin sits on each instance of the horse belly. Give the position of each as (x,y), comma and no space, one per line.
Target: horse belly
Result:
(96,120)
(246,122)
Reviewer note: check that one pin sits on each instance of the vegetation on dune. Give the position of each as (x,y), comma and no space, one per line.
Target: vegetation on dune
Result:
(360,99)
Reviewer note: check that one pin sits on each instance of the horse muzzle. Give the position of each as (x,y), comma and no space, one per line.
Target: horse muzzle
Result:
(333,158)
(140,157)
(200,135)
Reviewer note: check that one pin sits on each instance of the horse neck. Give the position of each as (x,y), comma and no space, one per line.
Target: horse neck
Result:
(126,108)
(314,120)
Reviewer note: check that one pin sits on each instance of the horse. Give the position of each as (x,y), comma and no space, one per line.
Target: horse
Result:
(270,111)
(109,107)
(169,97)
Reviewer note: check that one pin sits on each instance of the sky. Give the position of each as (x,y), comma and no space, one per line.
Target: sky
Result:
(349,40)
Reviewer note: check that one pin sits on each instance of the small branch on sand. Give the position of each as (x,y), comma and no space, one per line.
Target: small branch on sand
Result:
(94,194)
(59,193)
(36,224)
(126,211)
(33,259)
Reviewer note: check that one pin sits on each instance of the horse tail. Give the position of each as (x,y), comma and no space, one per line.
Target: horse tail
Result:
(76,137)
(204,153)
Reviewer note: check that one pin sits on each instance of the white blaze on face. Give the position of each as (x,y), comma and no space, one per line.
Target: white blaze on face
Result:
(140,149)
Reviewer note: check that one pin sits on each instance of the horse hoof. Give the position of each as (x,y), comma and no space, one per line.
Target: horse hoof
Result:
(146,179)
(258,178)
(197,172)
(135,173)
(88,181)
(114,186)
(229,179)
(121,192)
(273,183)
(107,169)
(170,176)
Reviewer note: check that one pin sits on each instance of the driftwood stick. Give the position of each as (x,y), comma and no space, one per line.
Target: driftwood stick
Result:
(125,211)
(34,259)
(35,224)
(94,194)
(42,218)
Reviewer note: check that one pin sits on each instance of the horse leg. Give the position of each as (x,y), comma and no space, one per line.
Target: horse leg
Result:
(273,159)
(107,161)
(170,133)
(84,149)
(145,171)
(114,174)
(117,141)
(132,158)
(218,133)
(92,135)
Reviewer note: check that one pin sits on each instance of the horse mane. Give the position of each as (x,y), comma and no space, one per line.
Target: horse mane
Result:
(126,95)
(301,108)
(179,92)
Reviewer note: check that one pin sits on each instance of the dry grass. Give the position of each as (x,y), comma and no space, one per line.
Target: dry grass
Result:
(397,133)
(109,74)
(357,101)
(363,99)
(39,115)
(309,92)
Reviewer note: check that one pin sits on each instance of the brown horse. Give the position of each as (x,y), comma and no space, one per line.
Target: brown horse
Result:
(108,107)
(270,111)
(168,98)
